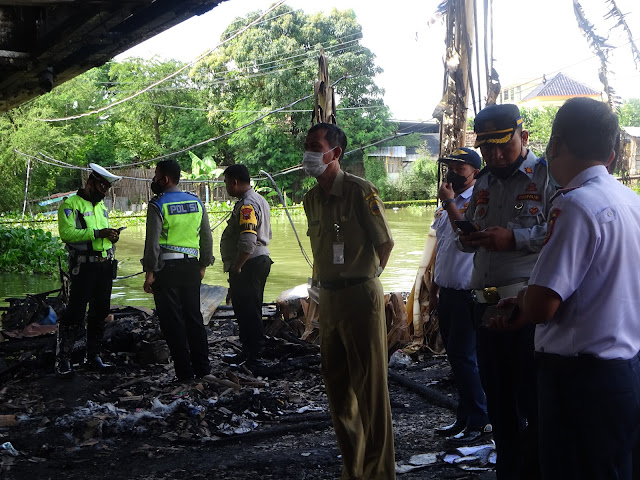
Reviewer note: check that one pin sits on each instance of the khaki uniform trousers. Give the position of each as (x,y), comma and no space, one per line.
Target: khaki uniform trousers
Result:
(353,346)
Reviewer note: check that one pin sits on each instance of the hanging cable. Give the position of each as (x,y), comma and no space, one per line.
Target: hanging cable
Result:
(284,204)
(99,110)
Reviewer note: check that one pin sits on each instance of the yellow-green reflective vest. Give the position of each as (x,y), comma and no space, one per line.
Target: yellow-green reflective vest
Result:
(181,219)
(78,223)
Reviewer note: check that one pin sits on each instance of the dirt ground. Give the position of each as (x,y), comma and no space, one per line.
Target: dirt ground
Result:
(236,424)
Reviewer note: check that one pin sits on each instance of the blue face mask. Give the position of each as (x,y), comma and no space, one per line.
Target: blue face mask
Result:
(549,158)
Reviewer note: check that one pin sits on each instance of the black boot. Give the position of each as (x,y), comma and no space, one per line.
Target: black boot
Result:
(64,368)
(96,364)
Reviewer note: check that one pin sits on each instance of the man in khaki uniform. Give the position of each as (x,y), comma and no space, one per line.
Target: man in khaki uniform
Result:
(351,244)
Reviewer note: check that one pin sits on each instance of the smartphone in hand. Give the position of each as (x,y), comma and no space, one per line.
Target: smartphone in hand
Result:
(466,226)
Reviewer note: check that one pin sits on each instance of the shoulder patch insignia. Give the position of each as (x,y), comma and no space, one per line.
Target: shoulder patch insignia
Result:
(68,212)
(374,205)
(534,210)
(248,220)
(552,221)
(481,211)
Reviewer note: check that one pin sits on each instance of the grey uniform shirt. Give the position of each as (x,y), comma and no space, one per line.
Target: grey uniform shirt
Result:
(521,203)
(248,229)
(152,259)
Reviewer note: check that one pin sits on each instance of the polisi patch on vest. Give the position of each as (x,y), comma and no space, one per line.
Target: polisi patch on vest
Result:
(182,208)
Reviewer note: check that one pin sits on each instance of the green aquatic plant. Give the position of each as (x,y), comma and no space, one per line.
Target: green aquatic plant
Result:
(29,250)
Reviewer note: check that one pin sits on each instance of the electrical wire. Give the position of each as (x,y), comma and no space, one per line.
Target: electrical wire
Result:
(99,110)
(284,204)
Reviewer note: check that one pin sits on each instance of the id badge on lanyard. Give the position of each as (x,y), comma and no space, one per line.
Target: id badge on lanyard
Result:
(338,246)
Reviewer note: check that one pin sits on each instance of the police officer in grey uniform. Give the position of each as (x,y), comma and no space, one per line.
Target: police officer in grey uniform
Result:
(509,205)
(244,247)
(584,297)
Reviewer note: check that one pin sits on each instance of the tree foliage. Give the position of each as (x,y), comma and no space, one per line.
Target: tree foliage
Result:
(275,63)
(629,113)
(269,66)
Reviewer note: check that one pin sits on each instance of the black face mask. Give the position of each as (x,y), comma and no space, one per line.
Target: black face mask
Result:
(457,181)
(505,172)
(95,197)
(157,188)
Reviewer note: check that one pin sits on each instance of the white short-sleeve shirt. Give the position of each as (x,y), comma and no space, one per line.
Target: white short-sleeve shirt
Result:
(591,259)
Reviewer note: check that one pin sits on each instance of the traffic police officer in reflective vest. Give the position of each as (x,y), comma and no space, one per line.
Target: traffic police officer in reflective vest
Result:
(83,224)
(178,248)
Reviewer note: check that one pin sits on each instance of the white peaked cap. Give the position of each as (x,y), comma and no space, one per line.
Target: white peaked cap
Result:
(104,173)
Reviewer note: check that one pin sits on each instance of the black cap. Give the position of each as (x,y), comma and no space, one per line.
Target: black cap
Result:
(463,155)
(496,124)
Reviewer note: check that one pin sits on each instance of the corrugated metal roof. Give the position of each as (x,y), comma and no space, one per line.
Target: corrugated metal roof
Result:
(393,152)
(633,131)
(560,86)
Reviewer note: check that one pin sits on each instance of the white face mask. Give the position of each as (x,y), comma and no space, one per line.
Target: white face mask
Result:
(312,163)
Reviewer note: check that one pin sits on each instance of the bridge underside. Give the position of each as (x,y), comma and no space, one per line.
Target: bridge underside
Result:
(44,43)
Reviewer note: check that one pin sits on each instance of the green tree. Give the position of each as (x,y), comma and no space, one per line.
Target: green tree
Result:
(275,63)
(629,113)
(538,121)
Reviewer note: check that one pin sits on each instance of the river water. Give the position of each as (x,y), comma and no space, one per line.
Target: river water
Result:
(409,228)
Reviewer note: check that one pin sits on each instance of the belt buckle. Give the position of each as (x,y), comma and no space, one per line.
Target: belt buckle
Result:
(491,295)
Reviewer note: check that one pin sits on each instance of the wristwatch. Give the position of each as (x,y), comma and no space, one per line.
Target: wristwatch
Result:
(446,202)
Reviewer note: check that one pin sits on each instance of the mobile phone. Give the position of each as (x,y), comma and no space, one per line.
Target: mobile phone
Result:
(466,226)
(120,229)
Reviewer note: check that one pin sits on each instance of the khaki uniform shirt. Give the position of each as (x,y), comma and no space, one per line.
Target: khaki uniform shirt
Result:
(352,214)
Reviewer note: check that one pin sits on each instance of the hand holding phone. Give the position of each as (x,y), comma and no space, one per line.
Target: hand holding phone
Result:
(466,226)
(120,229)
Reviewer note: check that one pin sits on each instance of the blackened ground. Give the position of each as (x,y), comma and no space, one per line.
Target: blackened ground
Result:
(92,427)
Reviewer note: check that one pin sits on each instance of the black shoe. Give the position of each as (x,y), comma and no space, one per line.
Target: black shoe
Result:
(64,368)
(96,364)
(470,436)
(450,430)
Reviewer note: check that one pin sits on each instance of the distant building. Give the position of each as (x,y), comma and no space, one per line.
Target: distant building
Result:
(630,149)
(400,158)
(551,92)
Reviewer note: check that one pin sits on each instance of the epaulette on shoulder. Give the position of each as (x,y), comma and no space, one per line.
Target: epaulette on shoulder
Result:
(482,172)
(366,185)
(157,197)
(191,193)
(543,160)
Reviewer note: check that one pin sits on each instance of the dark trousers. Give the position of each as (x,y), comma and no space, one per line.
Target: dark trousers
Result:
(589,416)
(455,314)
(246,290)
(507,371)
(176,292)
(92,286)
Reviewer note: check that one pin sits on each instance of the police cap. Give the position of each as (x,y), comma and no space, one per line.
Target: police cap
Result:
(496,124)
(463,155)
(103,173)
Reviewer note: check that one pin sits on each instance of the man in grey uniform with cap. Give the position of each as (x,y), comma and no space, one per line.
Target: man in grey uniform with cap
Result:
(509,205)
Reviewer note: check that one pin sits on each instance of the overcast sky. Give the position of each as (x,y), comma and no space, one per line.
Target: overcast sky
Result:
(531,38)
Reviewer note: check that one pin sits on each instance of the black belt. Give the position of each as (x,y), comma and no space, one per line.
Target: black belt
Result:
(343,283)
(93,259)
(553,360)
